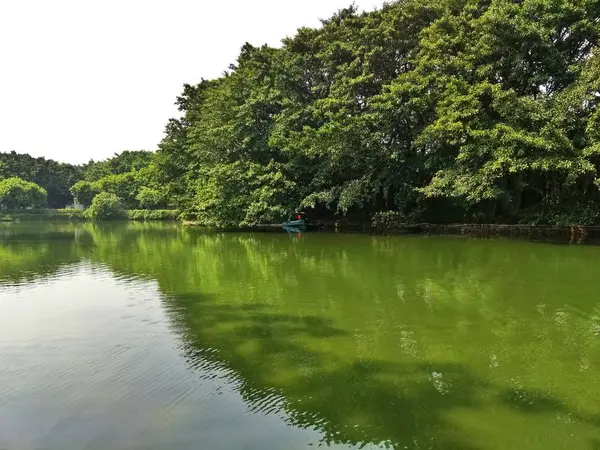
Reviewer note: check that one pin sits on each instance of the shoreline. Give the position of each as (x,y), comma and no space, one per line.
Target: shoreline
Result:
(566,234)
(76,215)
(570,234)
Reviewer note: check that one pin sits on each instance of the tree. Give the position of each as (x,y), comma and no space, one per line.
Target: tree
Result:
(16,193)
(105,206)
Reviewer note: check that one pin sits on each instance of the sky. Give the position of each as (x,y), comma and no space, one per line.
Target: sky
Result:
(81,80)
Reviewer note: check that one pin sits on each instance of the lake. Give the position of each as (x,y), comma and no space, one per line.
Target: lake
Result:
(155,336)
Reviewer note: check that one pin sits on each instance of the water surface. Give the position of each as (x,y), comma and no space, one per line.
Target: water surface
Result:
(145,336)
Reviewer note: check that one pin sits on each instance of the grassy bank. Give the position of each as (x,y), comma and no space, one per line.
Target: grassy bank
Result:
(79,215)
(152,214)
(42,215)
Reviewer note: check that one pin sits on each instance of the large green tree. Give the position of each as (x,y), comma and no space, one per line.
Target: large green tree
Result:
(437,110)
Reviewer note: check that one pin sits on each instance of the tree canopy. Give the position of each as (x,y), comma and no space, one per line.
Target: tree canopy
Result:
(437,110)
(423,110)
(124,175)
(16,193)
(56,178)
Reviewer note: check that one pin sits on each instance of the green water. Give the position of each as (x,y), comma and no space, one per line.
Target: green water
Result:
(133,336)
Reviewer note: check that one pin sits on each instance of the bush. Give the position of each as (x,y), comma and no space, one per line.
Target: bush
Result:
(105,206)
(69,213)
(153,214)
(393,219)
(388,219)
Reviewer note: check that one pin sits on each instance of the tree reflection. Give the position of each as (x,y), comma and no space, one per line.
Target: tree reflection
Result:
(409,343)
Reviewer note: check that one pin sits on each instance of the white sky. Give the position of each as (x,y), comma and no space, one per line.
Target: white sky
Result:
(83,79)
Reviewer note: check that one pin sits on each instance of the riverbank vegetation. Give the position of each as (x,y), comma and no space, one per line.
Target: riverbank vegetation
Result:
(124,186)
(422,111)
(77,215)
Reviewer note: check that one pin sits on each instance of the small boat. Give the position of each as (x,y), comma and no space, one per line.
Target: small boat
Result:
(296,221)
(294,224)
(299,222)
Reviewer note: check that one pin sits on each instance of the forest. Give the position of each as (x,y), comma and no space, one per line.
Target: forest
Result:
(438,111)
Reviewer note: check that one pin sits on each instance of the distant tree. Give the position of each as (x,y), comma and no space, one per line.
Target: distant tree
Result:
(16,193)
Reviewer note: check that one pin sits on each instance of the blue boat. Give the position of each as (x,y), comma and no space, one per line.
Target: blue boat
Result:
(296,221)
(299,222)
(294,224)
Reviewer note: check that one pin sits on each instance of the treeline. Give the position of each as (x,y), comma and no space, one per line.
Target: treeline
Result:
(422,111)
(54,177)
(425,110)
(126,180)
(130,176)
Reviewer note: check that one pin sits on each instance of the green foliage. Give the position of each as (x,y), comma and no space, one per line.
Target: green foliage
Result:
(129,161)
(120,163)
(388,219)
(69,213)
(84,192)
(56,178)
(124,185)
(105,206)
(243,194)
(132,176)
(451,110)
(42,215)
(153,214)
(438,110)
(150,198)
(73,214)
(16,193)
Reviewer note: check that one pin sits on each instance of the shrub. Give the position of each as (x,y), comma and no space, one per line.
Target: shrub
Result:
(70,213)
(388,219)
(105,206)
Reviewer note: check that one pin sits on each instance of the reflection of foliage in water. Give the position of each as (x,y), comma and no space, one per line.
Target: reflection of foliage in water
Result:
(381,341)
(31,251)
(409,342)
